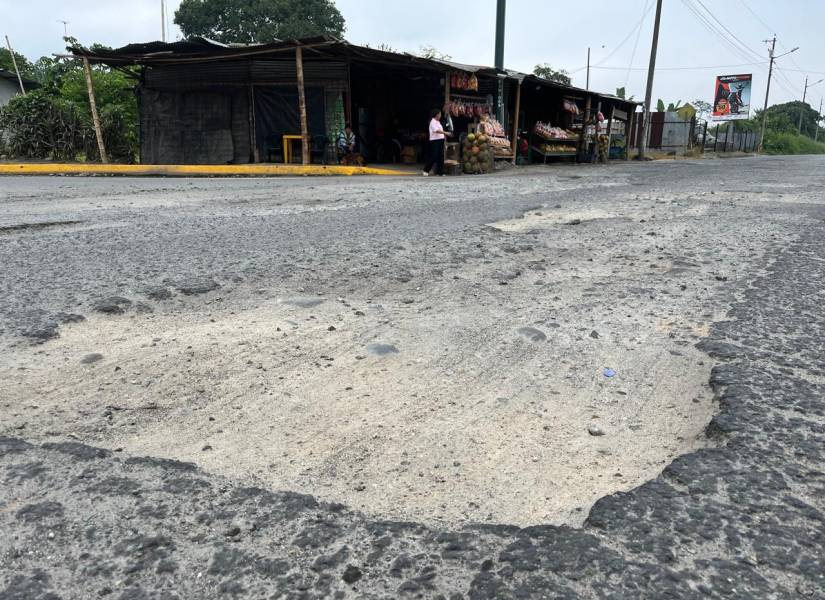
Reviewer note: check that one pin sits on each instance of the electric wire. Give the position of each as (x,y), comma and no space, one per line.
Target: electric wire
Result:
(733,35)
(750,64)
(755,16)
(781,45)
(716,31)
(781,79)
(637,26)
(645,12)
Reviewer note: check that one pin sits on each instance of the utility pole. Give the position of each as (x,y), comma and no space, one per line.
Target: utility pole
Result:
(804,97)
(651,71)
(819,118)
(588,70)
(163,20)
(767,96)
(65,27)
(768,90)
(802,106)
(501,20)
(16,70)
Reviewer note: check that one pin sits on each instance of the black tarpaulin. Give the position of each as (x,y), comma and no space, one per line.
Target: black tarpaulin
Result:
(196,128)
(277,114)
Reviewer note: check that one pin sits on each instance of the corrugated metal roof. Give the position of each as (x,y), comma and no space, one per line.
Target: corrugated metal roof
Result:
(198,49)
(12,76)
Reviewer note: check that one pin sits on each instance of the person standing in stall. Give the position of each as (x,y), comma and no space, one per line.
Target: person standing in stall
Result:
(436,146)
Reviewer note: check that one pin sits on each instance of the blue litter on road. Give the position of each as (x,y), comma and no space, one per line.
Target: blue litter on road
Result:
(609,373)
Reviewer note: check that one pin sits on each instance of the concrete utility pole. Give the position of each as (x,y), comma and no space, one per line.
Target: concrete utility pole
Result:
(767,96)
(768,91)
(651,71)
(501,20)
(163,20)
(16,70)
(804,97)
(816,135)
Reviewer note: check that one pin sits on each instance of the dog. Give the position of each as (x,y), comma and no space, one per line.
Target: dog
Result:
(353,160)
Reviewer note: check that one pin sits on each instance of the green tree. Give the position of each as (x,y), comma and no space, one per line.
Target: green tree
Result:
(546,71)
(258,21)
(55,121)
(22,63)
(784,118)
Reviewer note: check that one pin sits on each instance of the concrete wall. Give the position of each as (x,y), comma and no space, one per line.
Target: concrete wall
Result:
(8,89)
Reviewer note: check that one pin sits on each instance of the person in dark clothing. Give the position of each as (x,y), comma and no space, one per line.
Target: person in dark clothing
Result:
(436,146)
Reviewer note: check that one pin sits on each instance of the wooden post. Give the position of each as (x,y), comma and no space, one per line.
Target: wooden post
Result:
(446,88)
(95,117)
(16,70)
(610,129)
(302,105)
(583,141)
(253,128)
(629,132)
(515,123)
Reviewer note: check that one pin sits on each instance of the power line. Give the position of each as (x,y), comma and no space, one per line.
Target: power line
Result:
(755,16)
(637,26)
(805,71)
(716,31)
(786,83)
(738,46)
(772,30)
(750,64)
(743,44)
(645,12)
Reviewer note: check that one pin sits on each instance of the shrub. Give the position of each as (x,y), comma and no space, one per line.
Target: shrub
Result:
(46,124)
(39,126)
(791,143)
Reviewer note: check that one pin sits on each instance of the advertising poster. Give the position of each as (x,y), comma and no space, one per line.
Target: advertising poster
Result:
(733,97)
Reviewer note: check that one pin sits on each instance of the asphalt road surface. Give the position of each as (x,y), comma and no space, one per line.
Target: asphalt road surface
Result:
(569,382)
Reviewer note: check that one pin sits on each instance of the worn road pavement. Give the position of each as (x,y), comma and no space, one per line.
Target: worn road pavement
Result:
(570,382)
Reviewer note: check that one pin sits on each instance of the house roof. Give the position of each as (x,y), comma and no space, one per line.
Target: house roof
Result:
(12,76)
(201,50)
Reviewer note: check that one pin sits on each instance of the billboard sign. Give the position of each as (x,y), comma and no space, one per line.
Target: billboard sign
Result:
(732,100)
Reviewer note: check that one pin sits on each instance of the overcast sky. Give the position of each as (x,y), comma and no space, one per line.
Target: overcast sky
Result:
(538,31)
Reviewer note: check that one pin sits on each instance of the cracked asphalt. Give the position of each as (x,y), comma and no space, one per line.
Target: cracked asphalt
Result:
(713,262)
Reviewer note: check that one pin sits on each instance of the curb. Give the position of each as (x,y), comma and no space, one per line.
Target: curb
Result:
(192,170)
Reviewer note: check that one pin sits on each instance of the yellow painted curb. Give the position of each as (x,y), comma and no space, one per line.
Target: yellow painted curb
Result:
(190,170)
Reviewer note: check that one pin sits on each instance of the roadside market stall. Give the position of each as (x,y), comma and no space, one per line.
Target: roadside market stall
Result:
(202,102)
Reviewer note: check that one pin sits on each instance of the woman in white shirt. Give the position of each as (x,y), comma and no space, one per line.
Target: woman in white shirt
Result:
(435,156)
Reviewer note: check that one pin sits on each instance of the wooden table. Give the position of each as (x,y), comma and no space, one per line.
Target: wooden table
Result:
(288,139)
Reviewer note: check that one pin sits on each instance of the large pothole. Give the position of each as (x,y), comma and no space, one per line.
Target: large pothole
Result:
(550,363)
(455,417)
